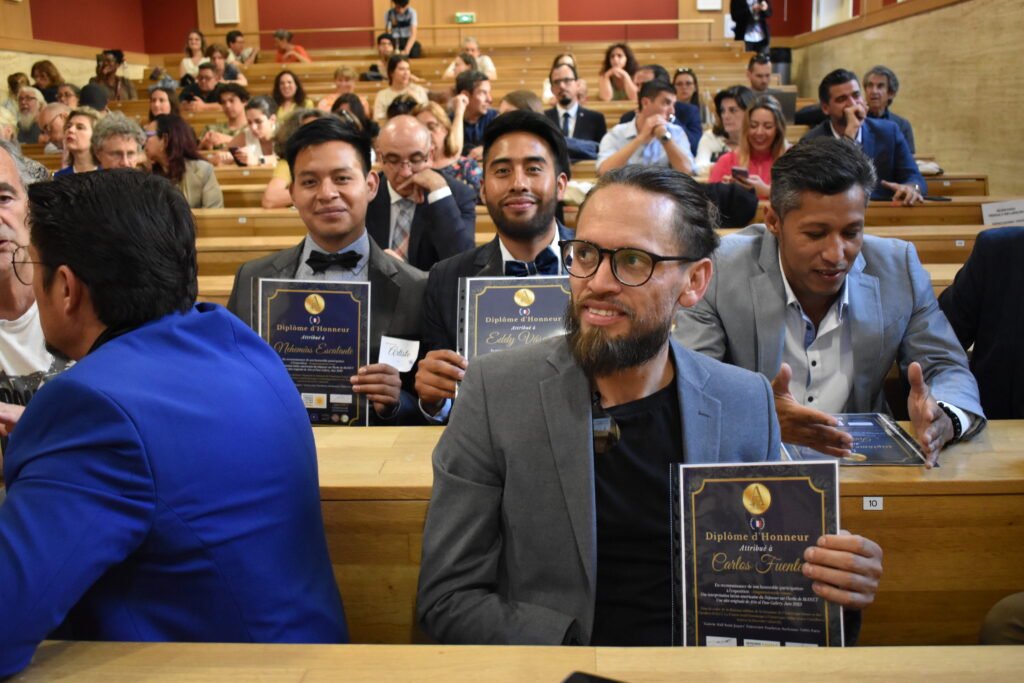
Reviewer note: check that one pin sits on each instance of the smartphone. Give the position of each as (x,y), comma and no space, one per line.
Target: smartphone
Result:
(234,156)
(740,172)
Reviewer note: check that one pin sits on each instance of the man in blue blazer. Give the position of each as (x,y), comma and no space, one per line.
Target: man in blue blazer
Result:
(165,487)
(548,526)
(841,99)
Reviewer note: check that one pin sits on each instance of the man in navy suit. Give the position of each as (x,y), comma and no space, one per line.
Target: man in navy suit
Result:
(898,176)
(574,120)
(165,487)
(687,115)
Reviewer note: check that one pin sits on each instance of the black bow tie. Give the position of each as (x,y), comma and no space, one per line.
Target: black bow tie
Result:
(319,261)
(546,264)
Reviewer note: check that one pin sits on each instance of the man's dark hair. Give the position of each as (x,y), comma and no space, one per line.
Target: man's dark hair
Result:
(118,55)
(821,165)
(235,89)
(650,90)
(893,83)
(575,74)
(468,80)
(327,129)
(128,235)
(208,66)
(400,3)
(658,71)
(385,36)
(759,58)
(233,36)
(401,106)
(696,217)
(837,77)
(535,124)
(742,95)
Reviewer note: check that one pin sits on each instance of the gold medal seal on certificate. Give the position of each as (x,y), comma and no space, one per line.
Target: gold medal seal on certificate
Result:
(524,297)
(315,304)
(757,499)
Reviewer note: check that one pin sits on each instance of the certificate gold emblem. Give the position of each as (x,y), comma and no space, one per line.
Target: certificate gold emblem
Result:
(756,499)
(315,304)
(524,297)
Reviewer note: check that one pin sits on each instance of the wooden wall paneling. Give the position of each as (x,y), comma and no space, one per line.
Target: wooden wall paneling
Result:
(249,22)
(688,10)
(434,12)
(16,20)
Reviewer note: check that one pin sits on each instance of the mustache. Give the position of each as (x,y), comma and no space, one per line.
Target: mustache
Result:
(585,299)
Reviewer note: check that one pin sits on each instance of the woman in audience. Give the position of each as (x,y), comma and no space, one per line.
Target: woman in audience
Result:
(68,95)
(345,79)
(78,142)
(724,136)
(254,146)
(581,85)
(353,104)
(47,79)
(195,54)
(117,87)
(399,83)
(520,100)
(446,136)
(15,82)
(289,95)
(163,101)
(462,62)
(616,80)
(687,87)
(8,125)
(763,141)
(287,51)
(173,151)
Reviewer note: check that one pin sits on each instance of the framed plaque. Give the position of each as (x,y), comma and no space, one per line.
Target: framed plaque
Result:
(499,313)
(877,440)
(739,535)
(321,332)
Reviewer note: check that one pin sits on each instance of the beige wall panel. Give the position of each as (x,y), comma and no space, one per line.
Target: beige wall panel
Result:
(487,11)
(74,70)
(248,13)
(961,74)
(15,19)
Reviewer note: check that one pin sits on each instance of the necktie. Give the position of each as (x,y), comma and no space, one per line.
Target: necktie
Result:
(546,264)
(565,124)
(404,209)
(319,261)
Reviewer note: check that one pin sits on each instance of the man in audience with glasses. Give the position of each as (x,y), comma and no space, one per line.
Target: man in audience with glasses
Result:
(547,524)
(575,121)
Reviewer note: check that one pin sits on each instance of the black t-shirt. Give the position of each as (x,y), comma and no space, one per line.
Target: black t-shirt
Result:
(634,558)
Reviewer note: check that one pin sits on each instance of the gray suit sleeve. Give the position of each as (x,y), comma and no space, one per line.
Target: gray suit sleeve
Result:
(459,598)
(699,328)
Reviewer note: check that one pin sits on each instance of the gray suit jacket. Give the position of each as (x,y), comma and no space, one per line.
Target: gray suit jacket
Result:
(893,313)
(509,547)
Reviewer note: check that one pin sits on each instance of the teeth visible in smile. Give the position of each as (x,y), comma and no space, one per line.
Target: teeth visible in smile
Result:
(606,314)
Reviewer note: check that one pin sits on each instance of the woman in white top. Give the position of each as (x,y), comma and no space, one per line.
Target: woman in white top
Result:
(195,51)
(254,146)
(730,104)
(399,83)
(483,62)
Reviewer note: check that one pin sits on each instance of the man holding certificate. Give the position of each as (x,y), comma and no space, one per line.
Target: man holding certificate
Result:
(331,189)
(549,521)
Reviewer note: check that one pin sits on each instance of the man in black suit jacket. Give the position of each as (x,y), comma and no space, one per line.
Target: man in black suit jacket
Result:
(443,211)
(751,23)
(983,306)
(332,186)
(526,170)
(574,120)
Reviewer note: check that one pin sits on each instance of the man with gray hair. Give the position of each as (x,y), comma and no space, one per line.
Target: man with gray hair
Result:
(52,119)
(881,86)
(117,141)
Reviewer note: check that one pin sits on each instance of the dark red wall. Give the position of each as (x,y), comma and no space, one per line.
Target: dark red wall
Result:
(103,23)
(790,19)
(166,24)
(299,14)
(616,10)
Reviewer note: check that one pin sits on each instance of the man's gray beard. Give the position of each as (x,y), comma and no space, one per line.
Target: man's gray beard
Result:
(26,121)
(599,355)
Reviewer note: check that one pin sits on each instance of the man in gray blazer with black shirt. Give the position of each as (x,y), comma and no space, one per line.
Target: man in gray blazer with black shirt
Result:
(546,528)
(810,300)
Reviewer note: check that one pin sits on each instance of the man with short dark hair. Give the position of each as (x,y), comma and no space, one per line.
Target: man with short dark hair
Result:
(810,300)
(164,488)
(241,56)
(478,115)
(331,189)
(651,139)
(543,531)
(687,116)
(898,175)
(881,85)
(759,73)
(202,95)
(233,98)
(574,120)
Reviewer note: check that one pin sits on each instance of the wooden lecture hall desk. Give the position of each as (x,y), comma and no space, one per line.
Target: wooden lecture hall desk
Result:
(953,537)
(200,663)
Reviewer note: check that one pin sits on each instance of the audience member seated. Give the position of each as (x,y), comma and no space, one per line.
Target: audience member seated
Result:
(173,153)
(117,141)
(8,125)
(353,104)
(401,106)
(30,103)
(881,86)
(67,94)
(483,63)
(399,83)
(530,538)
(385,50)
(138,507)
(810,300)
(526,170)
(751,23)
(898,175)
(616,79)
(419,215)
(446,137)
(15,82)
(583,128)
(287,51)
(462,62)
(51,120)
(763,141)
(759,74)
(344,83)
(47,79)
(725,135)
(289,95)
(520,100)
(687,88)
(569,59)
(241,56)
(162,101)
(686,115)
(650,139)
(78,142)
(226,73)
(400,21)
(202,95)
(233,98)
(118,88)
(478,115)
(277,195)
(253,145)
(983,306)
(333,187)
(94,96)
(195,54)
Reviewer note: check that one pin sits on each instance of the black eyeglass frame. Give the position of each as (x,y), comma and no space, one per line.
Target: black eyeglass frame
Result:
(563,245)
(15,264)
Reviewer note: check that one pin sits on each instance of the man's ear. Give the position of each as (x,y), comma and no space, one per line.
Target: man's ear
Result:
(70,290)
(561,182)
(373,183)
(772,221)
(698,277)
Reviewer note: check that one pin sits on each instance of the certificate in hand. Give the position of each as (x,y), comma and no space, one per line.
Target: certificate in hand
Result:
(877,440)
(321,331)
(739,535)
(498,313)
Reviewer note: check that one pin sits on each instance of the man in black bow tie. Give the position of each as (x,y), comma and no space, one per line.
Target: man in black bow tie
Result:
(331,188)
(526,169)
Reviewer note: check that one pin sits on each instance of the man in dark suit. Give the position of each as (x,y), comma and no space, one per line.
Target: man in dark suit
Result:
(575,121)
(751,17)
(899,178)
(331,189)
(687,115)
(420,215)
(526,169)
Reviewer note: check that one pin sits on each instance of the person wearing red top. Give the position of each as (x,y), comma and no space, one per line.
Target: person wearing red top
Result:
(763,143)
(287,51)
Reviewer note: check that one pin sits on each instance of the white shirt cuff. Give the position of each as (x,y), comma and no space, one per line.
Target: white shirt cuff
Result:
(439,194)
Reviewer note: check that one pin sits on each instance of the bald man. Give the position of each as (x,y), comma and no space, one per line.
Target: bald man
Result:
(420,215)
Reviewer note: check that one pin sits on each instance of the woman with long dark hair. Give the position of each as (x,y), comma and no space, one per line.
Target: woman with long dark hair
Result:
(174,153)
(399,83)
(289,95)
(616,79)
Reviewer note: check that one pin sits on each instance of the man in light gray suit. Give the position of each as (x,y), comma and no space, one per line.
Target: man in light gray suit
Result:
(811,301)
(549,521)
(331,188)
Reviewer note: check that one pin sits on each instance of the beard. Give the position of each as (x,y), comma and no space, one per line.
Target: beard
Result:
(600,355)
(525,230)
(26,120)
(565,100)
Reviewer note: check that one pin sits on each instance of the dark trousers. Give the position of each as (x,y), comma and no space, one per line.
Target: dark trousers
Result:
(760,47)
(415,53)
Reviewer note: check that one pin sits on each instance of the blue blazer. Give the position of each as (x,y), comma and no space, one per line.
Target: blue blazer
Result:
(165,489)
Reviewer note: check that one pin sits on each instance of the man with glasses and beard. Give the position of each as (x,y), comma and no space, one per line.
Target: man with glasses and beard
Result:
(545,530)
(568,114)
(526,169)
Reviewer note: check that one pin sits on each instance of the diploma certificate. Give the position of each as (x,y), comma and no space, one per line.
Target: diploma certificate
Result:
(498,313)
(877,440)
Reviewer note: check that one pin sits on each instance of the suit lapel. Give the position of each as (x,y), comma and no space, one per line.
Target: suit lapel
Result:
(769,297)
(383,296)
(866,323)
(867,140)
(488,261)
(378,215)
(700,414)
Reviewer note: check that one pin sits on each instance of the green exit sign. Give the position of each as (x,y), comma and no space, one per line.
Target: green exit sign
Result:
(465,17)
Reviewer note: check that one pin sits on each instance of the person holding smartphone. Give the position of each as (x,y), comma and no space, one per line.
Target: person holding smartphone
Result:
(762,142)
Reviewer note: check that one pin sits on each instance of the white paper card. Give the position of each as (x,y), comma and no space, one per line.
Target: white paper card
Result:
(399,353)
(1003,213)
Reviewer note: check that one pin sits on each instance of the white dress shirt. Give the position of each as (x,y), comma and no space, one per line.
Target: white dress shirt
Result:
(435,196)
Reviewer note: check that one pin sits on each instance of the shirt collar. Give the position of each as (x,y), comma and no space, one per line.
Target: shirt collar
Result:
(571,111)
(837,136)
(393,193)
(841,304)
(361,246)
